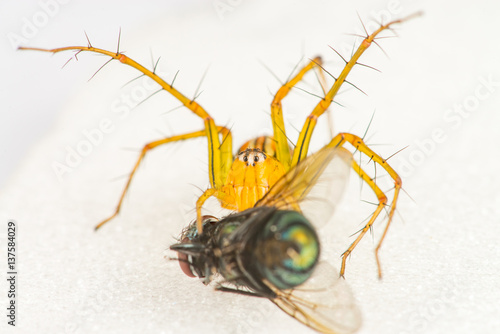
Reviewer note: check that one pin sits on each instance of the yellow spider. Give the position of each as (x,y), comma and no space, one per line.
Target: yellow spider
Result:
(239,182)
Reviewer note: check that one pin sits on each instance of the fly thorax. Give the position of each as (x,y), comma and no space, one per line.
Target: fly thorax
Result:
(226,252)
(286,250)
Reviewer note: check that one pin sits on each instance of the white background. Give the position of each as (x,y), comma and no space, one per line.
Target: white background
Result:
(441,258)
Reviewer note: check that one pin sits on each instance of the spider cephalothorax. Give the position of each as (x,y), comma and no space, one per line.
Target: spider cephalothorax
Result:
(253,172)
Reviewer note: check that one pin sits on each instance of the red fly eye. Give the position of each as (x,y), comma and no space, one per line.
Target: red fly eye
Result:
(184,262)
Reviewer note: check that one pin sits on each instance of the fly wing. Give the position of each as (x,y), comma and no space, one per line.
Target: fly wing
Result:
(324,302)
(314,186)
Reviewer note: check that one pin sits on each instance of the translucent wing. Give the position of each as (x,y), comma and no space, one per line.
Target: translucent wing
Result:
(323,303)
(314,186)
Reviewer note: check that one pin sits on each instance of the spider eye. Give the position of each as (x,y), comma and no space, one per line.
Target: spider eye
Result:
(245,158)
(256,158)
(287,250)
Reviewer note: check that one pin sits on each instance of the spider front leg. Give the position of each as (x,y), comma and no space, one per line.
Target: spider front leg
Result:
(279,133)
(216,173)
(219,152)
(300,151)
(302,147)
(357,142)
(226,134)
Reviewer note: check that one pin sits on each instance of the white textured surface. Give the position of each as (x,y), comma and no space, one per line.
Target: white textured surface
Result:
(441,258)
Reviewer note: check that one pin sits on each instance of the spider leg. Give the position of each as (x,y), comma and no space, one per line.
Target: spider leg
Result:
(219,163)
(302,146)
(282,148)
(221,195)
(199,203)
(149,146)
(338,141)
